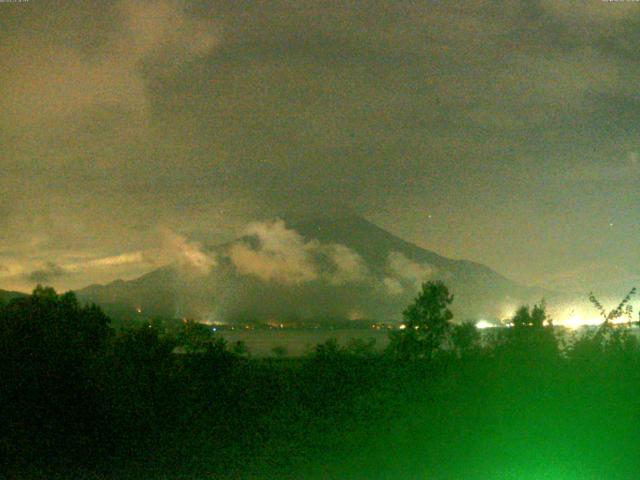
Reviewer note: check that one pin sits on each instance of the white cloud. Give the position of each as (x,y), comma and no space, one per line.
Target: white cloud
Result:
(283,255)
(348,265)
(403,273)
(22,270)
(189,256)
(107,262)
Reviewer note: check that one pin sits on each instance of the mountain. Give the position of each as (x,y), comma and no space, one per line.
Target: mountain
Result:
(319,268)
(6,295)
(479,291)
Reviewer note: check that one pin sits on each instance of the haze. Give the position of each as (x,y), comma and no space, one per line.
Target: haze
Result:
(502,132)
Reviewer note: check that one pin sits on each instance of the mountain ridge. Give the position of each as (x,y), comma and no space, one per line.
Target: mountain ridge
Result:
(8,295)
(394,268)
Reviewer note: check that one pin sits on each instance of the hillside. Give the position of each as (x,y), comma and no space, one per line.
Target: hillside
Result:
(320,268)
(6,295)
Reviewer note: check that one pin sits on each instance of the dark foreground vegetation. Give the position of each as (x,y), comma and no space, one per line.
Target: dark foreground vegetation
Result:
(78,400)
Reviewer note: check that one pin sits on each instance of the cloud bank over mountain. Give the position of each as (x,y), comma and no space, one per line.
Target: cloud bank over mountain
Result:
(317,269)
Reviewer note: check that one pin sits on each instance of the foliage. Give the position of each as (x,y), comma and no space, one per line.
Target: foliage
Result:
(612,338)
(624,308)
(465,338)
(531,337)
(78,401)
(427,323)
(279,351)
(240,348)
(49,347)
(526,319)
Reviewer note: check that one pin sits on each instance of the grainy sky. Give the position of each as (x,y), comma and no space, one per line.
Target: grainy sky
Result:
(505,132)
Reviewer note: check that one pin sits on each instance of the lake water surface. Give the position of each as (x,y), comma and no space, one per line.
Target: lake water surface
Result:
(298,342)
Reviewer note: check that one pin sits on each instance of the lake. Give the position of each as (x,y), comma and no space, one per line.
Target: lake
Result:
(298,342)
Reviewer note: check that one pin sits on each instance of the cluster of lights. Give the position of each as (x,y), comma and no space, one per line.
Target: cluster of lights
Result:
(482,324)
(572,317)
(576,320)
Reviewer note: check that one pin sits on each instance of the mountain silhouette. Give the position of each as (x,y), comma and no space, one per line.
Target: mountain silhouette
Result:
(394,270)
(6,295)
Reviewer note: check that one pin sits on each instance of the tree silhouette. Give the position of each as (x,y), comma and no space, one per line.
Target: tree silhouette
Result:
(54,328)
(427,323)
(531,335)
(612,336)
(465,338)
(49,344)
(624,308)
(529,319)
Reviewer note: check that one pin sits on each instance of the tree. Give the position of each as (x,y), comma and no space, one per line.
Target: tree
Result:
(49,348)
(624,309)
(613,335)
(54,328)
(466,339)
(529,319)
(532,333)
(427,323)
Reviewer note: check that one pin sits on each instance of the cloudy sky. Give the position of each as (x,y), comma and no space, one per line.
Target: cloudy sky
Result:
(505,132)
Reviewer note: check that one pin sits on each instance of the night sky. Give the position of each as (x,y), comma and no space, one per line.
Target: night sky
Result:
(502,132)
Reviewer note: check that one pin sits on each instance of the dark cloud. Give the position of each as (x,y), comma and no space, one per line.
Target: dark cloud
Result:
(489,116)
(50,272)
